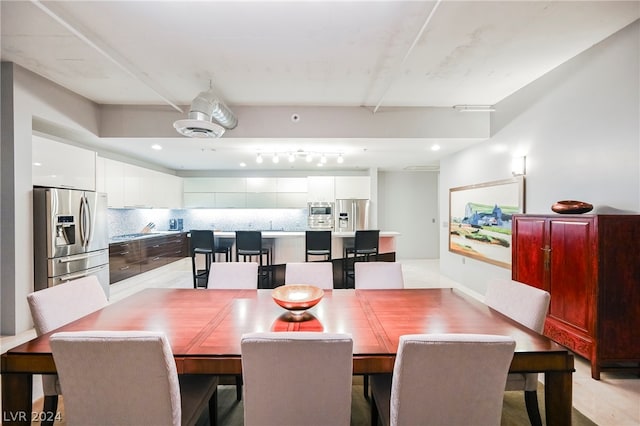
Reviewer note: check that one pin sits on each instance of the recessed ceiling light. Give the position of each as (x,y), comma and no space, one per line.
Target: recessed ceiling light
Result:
(156,147)
(37,164)
(243,164)
(435,147)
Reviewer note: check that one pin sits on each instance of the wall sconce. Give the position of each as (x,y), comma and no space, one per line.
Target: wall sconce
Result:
(518,166)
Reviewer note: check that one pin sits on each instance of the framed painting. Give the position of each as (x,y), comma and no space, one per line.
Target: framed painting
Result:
(480,218)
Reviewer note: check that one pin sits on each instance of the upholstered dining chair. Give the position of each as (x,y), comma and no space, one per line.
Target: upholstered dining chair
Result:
(319,274)
(237,276)
(284,385)
(528,306)
(56,306)
(233,275)
(444,379)
(378,275)
(127,378)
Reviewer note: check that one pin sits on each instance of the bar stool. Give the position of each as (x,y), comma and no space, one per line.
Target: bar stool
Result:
(317,243)
(249,244)
(201,242)
(223,246)
(365,245)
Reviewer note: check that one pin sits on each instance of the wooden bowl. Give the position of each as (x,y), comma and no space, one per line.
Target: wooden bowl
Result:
(571,207)
(297,298)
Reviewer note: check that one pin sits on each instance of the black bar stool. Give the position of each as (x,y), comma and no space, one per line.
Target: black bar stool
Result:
(223,246)
(201,242)
(365,245)
(317,243)
(249,244)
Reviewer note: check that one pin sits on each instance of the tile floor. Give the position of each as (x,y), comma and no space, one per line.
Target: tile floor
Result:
(612,401)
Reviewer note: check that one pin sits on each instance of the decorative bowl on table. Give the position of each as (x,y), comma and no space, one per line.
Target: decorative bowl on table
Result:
(571,207)
(297,298)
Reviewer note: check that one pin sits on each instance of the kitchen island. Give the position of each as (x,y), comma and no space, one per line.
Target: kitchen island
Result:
(289,246)
(132,254)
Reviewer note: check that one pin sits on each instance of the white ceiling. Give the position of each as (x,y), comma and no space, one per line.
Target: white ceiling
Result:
(301,53)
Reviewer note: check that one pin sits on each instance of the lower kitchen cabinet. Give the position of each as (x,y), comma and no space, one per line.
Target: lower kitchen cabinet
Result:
(590,265)
(133,257)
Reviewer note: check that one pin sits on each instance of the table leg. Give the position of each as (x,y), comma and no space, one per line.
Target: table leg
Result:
(16,399)
(558,393)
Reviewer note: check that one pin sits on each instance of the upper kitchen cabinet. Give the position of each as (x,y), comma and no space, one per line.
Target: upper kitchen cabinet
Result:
(358,187)
(321,188)
(62,165)
(262,184)
(129,186)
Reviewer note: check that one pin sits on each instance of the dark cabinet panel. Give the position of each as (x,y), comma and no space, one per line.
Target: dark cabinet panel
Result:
(133,257)
(591,266)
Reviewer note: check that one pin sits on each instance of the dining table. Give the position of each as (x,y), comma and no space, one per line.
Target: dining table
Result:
(204,328)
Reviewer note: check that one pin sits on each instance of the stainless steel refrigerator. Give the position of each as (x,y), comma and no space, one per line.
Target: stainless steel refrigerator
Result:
(70,236)
(352,215)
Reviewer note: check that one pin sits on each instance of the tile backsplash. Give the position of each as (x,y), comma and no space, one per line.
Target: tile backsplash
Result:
(128,221)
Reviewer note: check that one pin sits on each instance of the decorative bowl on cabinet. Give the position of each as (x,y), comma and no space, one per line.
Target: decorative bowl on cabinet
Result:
(571,207)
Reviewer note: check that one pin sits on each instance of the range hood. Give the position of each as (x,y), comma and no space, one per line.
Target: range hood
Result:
(208,116)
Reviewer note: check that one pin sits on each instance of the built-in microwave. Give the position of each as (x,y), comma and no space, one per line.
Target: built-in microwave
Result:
(320,215)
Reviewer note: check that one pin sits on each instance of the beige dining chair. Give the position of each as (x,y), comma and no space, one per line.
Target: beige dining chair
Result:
(319,274)
(444,379)
(56,306)
(378,275)
(233,275)
(297,378)
(528,306)
(128,378)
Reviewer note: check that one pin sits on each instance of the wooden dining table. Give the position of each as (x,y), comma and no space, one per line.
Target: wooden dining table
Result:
(204,328)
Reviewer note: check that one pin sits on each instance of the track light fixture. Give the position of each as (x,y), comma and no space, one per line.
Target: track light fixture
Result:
(308,156)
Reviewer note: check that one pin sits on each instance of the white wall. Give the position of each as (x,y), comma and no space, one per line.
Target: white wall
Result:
(579,127)
(408,203)
(33,97)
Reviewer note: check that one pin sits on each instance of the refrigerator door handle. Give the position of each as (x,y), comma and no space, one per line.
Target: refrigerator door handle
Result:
(81,274)
(75,258)
(89,213)
(85,221)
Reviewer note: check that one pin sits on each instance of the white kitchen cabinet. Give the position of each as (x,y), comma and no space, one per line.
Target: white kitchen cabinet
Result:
(353,187)
(62,165)
(200,184)
(291,200)
(129,186)
(261,200)
(261,184)
(114,183)
(320,188)
(100,184)
(225,200)
(199,199)
(291,185)
(230,184)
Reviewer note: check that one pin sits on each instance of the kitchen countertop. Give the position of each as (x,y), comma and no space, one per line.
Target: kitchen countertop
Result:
(232,234)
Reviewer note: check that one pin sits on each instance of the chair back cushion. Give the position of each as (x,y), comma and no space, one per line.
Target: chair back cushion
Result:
(249,241)
(117,377)
(201,239)
(450,379)
(368,240)
(319,274)
(523,303)
(297,378)
(378,275)
(318,240)
(56,306)
(233,275)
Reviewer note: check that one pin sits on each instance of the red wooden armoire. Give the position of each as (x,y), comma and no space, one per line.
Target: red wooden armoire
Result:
(591,266)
